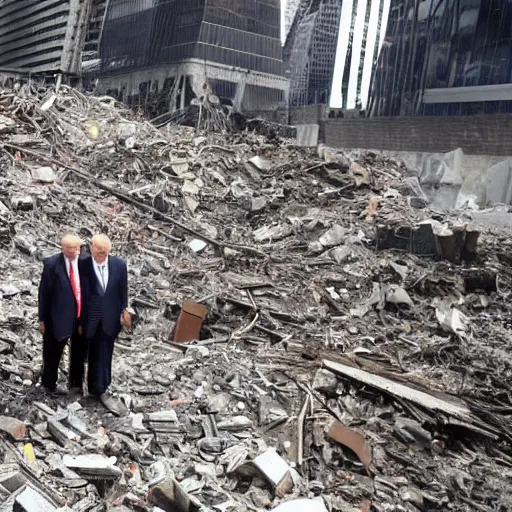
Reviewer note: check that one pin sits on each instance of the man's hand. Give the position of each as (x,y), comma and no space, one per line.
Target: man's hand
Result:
(41,327)
(126,320)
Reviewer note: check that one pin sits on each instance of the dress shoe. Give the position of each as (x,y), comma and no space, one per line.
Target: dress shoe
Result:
(56,391)
(75,391)
(114,405)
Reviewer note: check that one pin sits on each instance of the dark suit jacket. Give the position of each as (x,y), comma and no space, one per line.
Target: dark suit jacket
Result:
(57,304)
(104,308)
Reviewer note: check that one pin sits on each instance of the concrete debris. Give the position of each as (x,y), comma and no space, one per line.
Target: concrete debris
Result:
(397,295)
(43,174)
(335,236)
(93,465)
(114,405)
(361,175)
(260,163)
(325,381)
(235,423)
(197,245)
(412,433)
(181,166)
(170,497)
(15,428)
(244,275)
(272,233)
(31,501)
(22,202)
(451,319)
(272,466)
(6,123)
(258,204)
(316,505)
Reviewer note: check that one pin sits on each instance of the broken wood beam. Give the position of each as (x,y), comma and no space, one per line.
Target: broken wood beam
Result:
(457,410)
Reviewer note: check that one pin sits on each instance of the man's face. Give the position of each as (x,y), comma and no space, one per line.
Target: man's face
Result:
(99,253)
(70,249)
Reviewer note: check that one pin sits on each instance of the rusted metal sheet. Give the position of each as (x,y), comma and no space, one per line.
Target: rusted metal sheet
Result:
(190,321)
(351,439)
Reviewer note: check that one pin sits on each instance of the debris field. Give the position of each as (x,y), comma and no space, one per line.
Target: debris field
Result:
(355,351)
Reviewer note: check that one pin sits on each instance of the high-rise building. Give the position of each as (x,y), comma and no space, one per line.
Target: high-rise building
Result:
(290,10)
(331,51)
(45,36)
(445,58)
(232,46)
(163,52)
(311,51)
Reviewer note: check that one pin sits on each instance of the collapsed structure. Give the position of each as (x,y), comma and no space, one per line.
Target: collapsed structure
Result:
(355,353)
(160,54)
(232,49)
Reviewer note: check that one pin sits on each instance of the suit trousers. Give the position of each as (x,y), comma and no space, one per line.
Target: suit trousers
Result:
(52,355)
(101,351)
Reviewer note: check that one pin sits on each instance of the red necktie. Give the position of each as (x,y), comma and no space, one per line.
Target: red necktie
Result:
(76,289)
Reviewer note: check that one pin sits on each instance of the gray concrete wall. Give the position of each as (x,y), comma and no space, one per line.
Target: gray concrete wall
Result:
(475,135)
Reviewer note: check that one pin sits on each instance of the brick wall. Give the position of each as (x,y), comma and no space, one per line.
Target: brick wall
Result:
(476,135)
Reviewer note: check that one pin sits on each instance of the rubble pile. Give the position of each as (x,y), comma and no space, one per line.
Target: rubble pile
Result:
(355,353)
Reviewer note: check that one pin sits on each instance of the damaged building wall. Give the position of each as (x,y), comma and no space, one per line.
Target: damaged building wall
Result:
(163,53)
(461,162)
(91,48)
(43,36)
(290,10)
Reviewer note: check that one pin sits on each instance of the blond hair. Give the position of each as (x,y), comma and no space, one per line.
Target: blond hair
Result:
(102,241)
(71,239)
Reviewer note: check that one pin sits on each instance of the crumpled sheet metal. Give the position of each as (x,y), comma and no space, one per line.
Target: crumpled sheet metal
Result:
(351,439)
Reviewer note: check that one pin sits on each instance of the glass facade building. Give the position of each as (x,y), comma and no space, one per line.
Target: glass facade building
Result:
(144,33)
(445,57)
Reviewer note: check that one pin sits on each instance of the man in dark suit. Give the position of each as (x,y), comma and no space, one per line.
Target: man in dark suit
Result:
(105,313)
(60,304)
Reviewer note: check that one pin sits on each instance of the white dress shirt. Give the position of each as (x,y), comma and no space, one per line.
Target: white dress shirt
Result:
(101,272)
(75,270)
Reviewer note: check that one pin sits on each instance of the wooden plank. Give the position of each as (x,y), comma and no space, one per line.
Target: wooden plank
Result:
(454,408)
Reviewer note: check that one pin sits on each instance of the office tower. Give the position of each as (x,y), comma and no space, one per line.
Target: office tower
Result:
(445,58)
(331,51)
